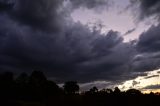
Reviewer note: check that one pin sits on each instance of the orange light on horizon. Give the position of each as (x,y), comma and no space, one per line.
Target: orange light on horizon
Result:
(151,90)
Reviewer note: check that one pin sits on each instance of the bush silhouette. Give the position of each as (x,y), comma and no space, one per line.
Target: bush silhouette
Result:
(93,90)
(71,87)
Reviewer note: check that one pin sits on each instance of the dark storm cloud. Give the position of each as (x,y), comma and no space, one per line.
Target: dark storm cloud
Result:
(112,66)
(148,57)
(42,37)
(148,48)
(152,87)
(145,62)
(149,41)
(148,8)
(40,14)
(90,4)
(5,6)
(46,14)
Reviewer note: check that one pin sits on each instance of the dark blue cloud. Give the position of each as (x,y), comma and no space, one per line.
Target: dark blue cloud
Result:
(148,8)
(37,35)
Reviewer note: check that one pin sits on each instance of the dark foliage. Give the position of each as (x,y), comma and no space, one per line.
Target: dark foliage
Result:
(71,87)
(37,90)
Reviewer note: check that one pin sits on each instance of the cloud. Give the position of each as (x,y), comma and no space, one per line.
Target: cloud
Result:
(130,31)
(41,14)
(151,76)
(145,64)
(99,84)
(75,54)
(149,40)
(42,37)
(89,4)
(4,6)
(148,51)
(148,8)
(134,83)
(152,87)
(46,14)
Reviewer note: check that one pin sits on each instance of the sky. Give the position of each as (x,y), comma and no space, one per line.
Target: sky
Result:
(103,43)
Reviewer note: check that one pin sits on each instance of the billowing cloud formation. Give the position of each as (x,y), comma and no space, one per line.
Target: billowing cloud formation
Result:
(42,14)
(75,54)
(148,57)
(46,14)
(148,8)
(44,37)
(149,41)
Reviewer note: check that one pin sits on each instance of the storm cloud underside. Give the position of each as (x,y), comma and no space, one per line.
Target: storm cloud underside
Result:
(44,37)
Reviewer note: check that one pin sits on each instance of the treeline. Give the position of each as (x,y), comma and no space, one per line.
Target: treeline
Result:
(37,90)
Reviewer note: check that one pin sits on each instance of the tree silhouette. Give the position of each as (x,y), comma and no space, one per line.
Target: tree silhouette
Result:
(7,85)
(22,78)
(117,90)
(71,87)
(133,92)
(22,86)
(37,78)
(93,90)
(52,89)
(37,85)
(109,91)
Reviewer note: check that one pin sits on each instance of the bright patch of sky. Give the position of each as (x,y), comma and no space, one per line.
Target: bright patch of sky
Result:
(152,78)
(117,17)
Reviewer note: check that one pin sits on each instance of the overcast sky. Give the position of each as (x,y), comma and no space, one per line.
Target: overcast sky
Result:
(105,43)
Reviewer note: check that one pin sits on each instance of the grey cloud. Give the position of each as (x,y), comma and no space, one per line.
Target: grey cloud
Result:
(134,83)
(152,87)
(5,6)
(151,76)
(47,14)
(148,55)
(99,84)
(114,66)
(61,55)
(148,8)
(149,40)
(145,64)
(90,4)
(130,31)
(68,51)
(40,14)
